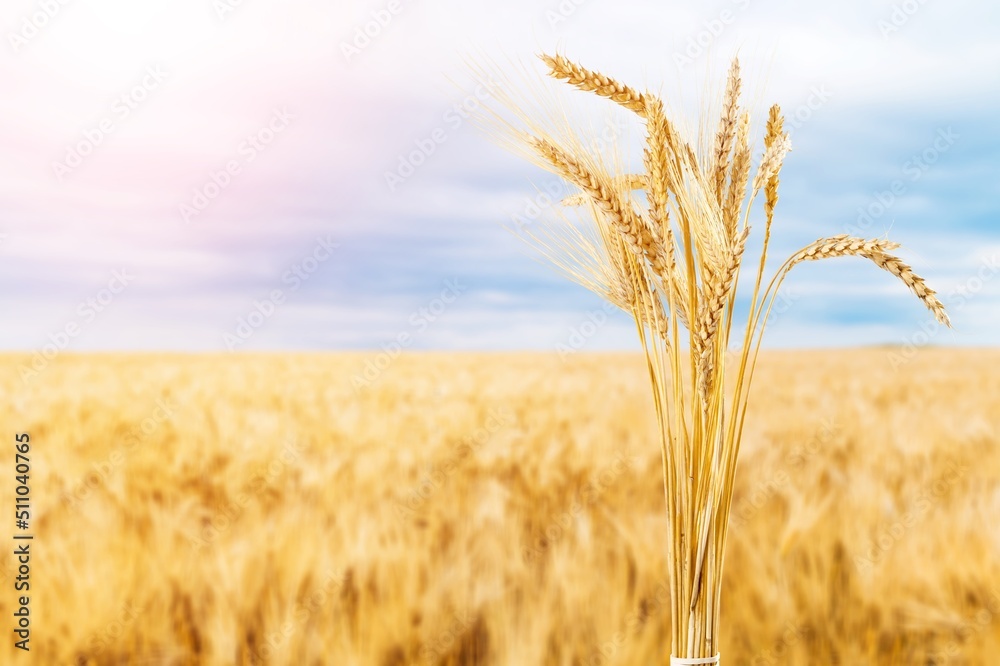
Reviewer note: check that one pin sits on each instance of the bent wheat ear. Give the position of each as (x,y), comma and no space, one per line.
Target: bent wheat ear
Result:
(877,250)
(914,282)
(841,246)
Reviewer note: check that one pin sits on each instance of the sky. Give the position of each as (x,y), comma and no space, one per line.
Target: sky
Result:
(241,175)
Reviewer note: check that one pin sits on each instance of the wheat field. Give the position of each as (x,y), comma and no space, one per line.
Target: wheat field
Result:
(448,509)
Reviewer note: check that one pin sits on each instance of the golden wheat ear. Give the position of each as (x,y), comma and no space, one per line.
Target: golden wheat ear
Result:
(775,131)
(739,177)
(717,294)
(595,82)
(727,131)
(877,250)
(608,199)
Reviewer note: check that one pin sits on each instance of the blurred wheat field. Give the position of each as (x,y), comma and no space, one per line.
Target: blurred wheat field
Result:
(501,509)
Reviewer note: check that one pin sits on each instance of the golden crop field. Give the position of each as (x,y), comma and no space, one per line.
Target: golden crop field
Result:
(495,509)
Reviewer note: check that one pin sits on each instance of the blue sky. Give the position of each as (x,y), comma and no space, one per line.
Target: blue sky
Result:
(304,246)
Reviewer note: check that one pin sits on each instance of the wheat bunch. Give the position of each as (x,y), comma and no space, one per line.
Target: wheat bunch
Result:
(675,265)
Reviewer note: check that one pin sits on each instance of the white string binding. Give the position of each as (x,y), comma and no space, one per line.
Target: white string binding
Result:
(683,661)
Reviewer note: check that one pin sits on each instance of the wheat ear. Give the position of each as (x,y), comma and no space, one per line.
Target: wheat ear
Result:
(609,201)
(914,282)
(716,297)
(774,155)
(739,177)
(775,130)
(727,130)
(595,82)
(877,250)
